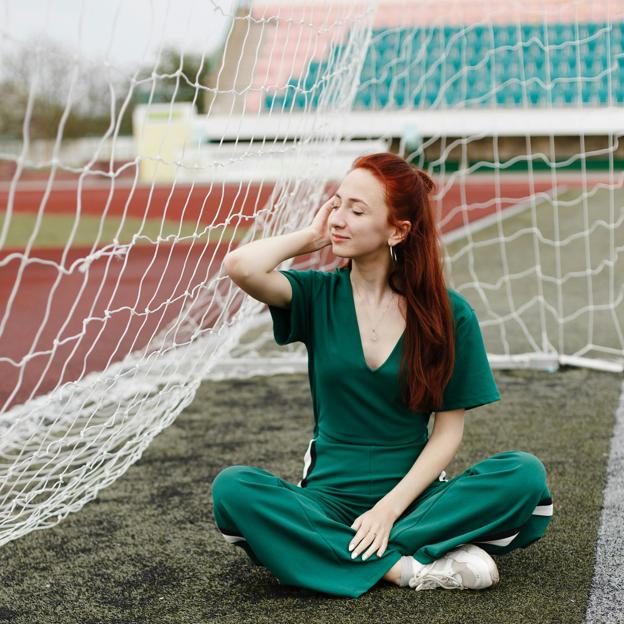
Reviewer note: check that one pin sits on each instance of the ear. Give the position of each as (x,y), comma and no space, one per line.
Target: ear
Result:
(400,232)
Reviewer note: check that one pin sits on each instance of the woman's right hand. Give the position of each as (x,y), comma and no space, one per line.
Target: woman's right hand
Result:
(320,226)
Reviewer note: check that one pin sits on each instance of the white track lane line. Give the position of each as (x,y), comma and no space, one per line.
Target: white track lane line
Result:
(606,596)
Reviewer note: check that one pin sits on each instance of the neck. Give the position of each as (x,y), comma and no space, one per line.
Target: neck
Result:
(371,279)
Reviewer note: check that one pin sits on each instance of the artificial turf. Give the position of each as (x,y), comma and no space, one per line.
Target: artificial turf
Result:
(147,549)
(55,231)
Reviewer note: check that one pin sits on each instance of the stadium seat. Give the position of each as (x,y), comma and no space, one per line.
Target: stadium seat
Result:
(481,58)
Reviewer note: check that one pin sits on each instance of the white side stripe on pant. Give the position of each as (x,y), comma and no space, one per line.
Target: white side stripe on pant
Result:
(540,510)
(307,461)
(232,538)
(501,542)
(543,510)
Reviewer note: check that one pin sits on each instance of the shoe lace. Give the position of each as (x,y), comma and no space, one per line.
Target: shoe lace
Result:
(433,580)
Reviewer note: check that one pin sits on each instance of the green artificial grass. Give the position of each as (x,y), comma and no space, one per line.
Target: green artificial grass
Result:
(146,550)
(55,230)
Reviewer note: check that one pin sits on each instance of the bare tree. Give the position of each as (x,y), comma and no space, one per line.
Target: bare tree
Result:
(57,81)
(54,80)
(176,76)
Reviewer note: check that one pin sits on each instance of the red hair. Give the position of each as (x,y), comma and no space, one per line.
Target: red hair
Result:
(428,352)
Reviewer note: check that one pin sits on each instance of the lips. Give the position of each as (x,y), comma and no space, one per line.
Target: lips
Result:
(339,238)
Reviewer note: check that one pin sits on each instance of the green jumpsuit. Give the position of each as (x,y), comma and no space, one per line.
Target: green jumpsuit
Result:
(364,441)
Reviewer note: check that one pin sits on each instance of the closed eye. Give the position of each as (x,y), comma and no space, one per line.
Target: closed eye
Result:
(354,211)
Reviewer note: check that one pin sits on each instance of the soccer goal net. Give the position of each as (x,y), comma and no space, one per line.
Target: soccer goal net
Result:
(124,185)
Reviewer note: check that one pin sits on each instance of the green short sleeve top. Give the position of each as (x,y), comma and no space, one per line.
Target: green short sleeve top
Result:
(353,403)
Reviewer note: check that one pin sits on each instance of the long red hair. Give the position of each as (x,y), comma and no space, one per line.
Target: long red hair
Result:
(429,345)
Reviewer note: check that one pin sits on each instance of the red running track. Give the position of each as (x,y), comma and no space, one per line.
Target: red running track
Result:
(97,316)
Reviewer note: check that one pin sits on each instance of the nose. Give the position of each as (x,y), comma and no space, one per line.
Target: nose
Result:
(335,219)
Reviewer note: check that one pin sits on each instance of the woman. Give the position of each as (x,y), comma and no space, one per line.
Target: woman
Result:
(388,344)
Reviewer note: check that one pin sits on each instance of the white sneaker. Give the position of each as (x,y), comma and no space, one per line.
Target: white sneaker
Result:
(466,567)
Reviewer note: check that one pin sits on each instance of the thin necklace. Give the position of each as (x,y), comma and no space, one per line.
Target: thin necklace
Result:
(374,337)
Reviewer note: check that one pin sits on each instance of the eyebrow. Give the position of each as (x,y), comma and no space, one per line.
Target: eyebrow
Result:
(354,199)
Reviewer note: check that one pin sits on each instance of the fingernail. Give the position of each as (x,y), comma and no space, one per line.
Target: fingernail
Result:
(353,556)
(350,547)
(364,557)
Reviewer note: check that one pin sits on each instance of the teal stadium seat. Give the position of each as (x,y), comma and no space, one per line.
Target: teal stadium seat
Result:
(448,66)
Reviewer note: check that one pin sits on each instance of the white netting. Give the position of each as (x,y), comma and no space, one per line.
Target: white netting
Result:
(121,197)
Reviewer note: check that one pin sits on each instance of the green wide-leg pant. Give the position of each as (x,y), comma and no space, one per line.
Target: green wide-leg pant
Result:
(302,535)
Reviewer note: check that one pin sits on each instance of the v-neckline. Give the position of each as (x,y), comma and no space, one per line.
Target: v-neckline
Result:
(358,335)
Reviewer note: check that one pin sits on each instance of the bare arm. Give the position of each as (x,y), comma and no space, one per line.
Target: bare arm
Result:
(262,256)
(446,436)
(252,266)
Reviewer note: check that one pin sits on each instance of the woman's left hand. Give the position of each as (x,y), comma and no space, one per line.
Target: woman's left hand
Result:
(373,531)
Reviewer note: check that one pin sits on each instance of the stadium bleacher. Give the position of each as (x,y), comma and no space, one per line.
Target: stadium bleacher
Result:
(476,66)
